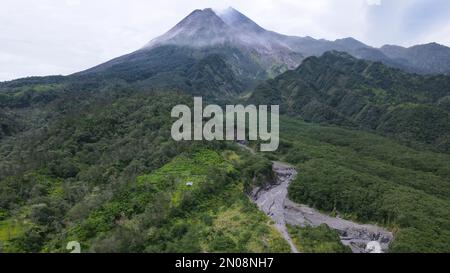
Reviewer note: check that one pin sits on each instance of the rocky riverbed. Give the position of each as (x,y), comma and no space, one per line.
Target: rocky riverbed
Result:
(273,201)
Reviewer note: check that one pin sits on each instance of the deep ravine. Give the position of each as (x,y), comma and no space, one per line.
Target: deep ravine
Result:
(273,201)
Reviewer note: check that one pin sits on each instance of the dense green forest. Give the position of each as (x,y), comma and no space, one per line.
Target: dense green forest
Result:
(211,72)
(90,158)
(103,170)
(371,179)
(339,89)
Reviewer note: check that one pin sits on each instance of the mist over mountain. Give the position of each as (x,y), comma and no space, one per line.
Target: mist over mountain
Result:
(207,28)
(247,54)
(252,53)
(204,28)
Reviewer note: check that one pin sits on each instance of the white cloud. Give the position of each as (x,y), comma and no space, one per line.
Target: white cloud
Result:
(73,3)
(373,2)
(42,37)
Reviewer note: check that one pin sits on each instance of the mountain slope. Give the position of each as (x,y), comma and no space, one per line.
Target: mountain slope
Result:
(177,68)
(340,89)
(207,28)
(429,58)
(247,53)
(174,55)
(200,28)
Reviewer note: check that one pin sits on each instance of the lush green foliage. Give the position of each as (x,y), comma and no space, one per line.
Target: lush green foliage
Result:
(319,239)
(369,178)
(213,215)
(213,72)
(339,89)
(89,157)
(103,170)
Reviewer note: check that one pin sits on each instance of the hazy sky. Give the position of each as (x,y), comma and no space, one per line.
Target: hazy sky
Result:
(43,37)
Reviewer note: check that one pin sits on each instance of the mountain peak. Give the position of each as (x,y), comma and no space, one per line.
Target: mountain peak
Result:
(236,19)
(351,42)
(203,12)
(199,28)
(433,45)
(206,27)
(199,16)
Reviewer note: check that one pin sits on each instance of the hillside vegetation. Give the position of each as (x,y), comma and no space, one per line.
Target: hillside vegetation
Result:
(89,157)
(104,171)
(371,179)
(339,89)
(317,240)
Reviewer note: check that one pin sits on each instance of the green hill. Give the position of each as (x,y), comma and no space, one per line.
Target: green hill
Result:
(339,89)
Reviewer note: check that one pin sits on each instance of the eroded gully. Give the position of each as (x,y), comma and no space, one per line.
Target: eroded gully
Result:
(273,201)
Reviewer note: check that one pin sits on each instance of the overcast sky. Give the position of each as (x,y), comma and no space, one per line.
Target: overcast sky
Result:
(47,37)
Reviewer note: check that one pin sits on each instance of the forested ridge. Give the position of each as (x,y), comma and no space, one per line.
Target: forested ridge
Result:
(339,89)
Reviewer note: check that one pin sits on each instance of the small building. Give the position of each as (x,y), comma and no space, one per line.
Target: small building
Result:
(190,184)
